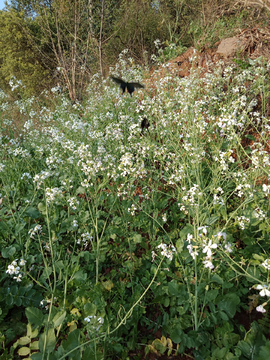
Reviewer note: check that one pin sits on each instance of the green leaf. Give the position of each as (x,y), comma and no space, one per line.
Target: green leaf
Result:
(229,303)
(9,299)
(174,288)
(59,318)
(166,302)
(211,220)
(265,351)
(8,252)
(211,294)
(217,278)
(49,341)
(176,334)
(80,276)
(42,207)
(37,356)
(223,316)
(18,301)
(34,316)
(24,351)
(90,309)
(34,345)
(30,332)
(24,340)
(137,238)
(180,243)
(73,340)
(33,213)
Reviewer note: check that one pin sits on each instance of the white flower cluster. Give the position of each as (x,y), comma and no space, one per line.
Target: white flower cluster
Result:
(85,239)
(75,223)
(37,230)
(39,178)
(132,210)
(217,198)
(73,202)
(207,248)
(19,151)
(242,220)
(53,194)
(266,264)
(193,192)
(167,251)
(190,247)
(96,322)
(46,303)
(27,175)
(14,269)
(259,214)
(14,83)
(266,188)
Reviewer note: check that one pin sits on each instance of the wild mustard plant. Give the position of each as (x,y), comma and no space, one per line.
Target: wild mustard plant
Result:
(90,203)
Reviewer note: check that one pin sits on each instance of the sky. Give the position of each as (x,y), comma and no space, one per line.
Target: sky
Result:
(2,4)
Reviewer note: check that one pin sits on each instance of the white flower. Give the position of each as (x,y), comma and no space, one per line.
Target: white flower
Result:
(207,248)
(18,278)
(266,264)
(219,234)
(22,262)
(208,264)
(228,247)
(203,228)
(189,237)
(264,290)
(260,309)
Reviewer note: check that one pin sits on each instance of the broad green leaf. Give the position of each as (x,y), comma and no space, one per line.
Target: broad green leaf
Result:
(8,252)
(73,340)
(229,304)
(176,334)
(9,299)
(217,278)
(24,351)
(30,332)
(47,342)
(24,340)
(137,238)
(42,207)
(80,276)
(37,356)
(174,288)
(108,285)
(90,309)
(211,294)
(33,213)
(34,316)
(265,352)
(34,345)
(59,318)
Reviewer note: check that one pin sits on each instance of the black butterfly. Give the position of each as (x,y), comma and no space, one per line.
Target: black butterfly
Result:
(126,85)
(145,124)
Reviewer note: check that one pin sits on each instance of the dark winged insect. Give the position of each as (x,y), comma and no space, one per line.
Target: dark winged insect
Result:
(126,85)
(145,124)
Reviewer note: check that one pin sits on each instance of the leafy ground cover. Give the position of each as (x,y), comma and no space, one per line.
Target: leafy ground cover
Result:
(119,242)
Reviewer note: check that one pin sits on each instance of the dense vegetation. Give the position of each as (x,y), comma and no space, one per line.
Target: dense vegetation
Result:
(65,42)
(116,239)
(120,241)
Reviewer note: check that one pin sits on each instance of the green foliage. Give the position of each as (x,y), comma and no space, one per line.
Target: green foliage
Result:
(19,58)
(111,238)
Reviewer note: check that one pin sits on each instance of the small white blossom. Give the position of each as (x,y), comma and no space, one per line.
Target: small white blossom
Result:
(264,290)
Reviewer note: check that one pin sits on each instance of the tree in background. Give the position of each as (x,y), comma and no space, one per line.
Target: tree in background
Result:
(18,57)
